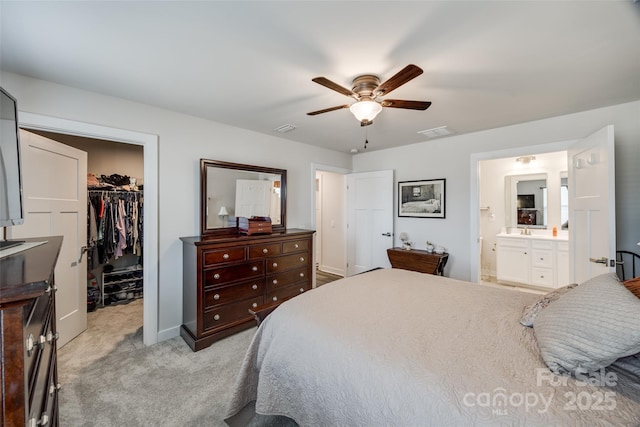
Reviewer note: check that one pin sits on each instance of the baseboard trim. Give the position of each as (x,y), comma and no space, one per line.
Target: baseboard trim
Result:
(166,334)
(331,270)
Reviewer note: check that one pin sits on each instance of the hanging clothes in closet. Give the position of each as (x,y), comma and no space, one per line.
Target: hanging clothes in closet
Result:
(115,224)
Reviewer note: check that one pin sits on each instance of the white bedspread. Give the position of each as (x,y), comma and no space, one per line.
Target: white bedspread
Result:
(394,347)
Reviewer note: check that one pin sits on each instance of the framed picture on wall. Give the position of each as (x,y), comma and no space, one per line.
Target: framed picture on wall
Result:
(421,199)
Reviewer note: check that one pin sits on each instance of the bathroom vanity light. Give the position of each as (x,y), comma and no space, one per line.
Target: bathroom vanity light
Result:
(525,160)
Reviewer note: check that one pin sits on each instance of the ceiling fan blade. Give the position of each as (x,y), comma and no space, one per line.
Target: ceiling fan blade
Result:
(326,110)
(411,105)
(407,73)
(334,86)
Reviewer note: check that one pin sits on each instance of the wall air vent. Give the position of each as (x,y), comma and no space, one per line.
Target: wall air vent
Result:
(436,132)
(285,128)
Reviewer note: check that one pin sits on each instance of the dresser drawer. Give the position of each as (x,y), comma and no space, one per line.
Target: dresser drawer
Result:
(220,256)
(261,251)
(287,278)
(36,334)
(542,244)
(222,315)
(222,275)
(542,276)
(228,294)
(47,415)
(542,258)
(295,246)
(285,293)
(39,383)
(287,262)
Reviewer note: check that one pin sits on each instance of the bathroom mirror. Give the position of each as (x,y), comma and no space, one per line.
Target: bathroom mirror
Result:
(526,200)
(231,190)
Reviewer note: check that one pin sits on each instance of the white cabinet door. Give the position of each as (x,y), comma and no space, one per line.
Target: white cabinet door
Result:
(513,260)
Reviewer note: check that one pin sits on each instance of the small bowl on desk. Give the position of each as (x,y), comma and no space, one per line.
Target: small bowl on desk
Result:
(439,250)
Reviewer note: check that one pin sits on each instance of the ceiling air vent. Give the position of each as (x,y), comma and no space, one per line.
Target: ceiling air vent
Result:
(285,128)
(436,132)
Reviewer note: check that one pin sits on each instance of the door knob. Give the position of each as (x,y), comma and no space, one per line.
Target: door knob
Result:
(83,250)
(602,260)
(386,234)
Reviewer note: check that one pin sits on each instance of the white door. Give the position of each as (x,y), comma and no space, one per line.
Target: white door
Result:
(253,198)
(55,203)
(592,214)
(369,220)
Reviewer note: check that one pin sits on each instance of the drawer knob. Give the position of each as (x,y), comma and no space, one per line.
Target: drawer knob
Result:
(275,298)
(216,297)
(301,259)
(30,343)
(254,305)
(301,290)
(52,336)
(216,276)
(225,256)
(301,274)
(265,251)
(275,281)
(53,388)
(254,287)
(275,265)
(541,259)
(296,246)
(254,268)
(216,317)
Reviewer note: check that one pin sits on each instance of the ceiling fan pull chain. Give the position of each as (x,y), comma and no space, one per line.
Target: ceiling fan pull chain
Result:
(366,137)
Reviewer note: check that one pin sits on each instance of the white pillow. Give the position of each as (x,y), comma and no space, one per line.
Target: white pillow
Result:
(531,311)
(590,327)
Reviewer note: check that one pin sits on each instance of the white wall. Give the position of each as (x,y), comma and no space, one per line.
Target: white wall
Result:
(183,140)
(450,158)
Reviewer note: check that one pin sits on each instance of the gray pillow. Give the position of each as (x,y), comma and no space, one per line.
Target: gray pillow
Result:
(531,311)
(590,327)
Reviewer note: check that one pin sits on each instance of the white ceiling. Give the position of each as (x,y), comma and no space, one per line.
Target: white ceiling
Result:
(250,64)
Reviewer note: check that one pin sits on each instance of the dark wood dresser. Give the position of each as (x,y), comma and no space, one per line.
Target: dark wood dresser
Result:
(225,277)
(418,260)
(28,327)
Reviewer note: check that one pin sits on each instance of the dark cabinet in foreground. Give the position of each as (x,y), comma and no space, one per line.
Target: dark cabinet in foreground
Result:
(28,336)
(225,277)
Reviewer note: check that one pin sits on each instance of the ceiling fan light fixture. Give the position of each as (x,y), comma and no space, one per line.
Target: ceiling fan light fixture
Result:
(365,110)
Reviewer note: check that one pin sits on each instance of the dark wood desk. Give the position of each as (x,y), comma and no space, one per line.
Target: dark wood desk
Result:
(418,260)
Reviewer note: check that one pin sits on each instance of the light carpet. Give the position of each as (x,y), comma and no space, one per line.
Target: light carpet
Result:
(110,378)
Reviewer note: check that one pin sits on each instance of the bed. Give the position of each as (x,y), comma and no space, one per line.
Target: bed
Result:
(396,347)
(427,206)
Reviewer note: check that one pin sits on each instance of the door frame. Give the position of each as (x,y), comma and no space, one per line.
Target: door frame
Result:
(150,215)
(474,205)
(315,167)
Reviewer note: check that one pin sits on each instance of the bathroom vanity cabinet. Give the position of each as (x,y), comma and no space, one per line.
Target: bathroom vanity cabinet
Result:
(541,261)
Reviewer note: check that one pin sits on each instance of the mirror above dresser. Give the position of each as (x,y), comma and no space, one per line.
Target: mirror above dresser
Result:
(232,190)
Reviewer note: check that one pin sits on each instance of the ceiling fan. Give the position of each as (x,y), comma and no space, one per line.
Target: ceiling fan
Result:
(367,89)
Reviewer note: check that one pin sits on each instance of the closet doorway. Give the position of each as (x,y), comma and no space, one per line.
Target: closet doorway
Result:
(115,196)
(31,122)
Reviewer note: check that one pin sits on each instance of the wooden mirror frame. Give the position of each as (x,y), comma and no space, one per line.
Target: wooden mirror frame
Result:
(226,231)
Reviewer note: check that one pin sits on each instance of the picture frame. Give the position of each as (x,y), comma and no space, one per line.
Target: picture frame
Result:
(422,199)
